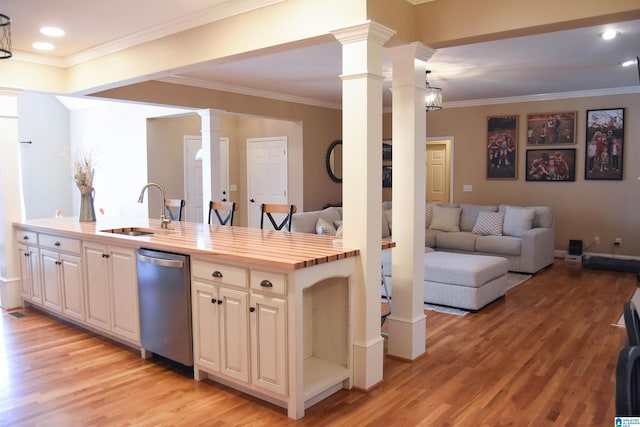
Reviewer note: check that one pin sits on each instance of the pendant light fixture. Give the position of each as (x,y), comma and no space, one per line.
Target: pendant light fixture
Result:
(433,99)
(5,37)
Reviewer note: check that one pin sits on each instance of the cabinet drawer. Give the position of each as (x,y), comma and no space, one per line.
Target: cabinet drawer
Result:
(219,273)
(272,283)
(27,237)
(60,243)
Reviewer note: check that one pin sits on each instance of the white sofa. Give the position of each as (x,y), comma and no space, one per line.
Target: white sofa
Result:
(525,236)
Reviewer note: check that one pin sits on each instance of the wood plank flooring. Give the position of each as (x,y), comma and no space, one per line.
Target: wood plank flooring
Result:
(543,356)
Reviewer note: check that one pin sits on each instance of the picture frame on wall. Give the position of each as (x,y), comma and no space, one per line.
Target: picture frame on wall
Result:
(386,176)
(502,147)
(551,128)
(551,165)
(604,158)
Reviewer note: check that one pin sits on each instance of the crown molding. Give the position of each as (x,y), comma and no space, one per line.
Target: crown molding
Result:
(544,97)
(219,12)
(241,90)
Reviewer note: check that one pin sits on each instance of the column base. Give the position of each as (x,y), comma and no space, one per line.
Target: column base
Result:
(368,363)
(407,340)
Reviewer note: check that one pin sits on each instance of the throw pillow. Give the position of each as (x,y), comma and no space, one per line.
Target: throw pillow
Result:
(489,224)
(324,227)
(388,215)
(428,213)
(445,219)
(339,231)
(517,220)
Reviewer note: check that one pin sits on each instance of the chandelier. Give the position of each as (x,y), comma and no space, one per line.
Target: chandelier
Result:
(433,99)
(5,37)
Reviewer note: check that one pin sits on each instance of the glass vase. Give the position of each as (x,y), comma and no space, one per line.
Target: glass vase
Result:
(87,212)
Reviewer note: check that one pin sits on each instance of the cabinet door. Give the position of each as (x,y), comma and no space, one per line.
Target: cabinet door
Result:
(269,343)
(72,286)
(206,338)
(30,274)
(97,285)
(50,279)
(234,334)
(124,293)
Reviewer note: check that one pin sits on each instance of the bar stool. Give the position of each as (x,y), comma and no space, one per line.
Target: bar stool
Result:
(217,207)
(269,209)
(174,208)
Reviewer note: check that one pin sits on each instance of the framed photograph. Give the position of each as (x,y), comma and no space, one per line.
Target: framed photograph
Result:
(551,128)
(551,165)
(386,149)
(386,176)
(502,147)
(605,144)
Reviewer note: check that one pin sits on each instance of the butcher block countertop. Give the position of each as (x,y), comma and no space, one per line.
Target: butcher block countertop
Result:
(277,249)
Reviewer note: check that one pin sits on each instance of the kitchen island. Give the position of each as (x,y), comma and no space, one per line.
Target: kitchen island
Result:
(271,310)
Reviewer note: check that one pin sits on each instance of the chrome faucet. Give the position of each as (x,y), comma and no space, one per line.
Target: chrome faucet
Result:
(164,219)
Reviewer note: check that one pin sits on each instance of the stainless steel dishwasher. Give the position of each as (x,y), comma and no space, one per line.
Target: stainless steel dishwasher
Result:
(164,289)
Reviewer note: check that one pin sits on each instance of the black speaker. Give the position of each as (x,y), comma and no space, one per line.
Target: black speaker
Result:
(575,247)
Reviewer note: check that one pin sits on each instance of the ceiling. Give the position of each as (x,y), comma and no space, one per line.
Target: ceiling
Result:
(546,65)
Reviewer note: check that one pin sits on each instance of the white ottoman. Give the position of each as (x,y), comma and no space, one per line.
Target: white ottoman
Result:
(464,281)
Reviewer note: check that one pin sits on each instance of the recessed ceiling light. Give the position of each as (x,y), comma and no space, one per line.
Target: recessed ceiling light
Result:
(628,62)
(52,31)
(609,34)
(43,46)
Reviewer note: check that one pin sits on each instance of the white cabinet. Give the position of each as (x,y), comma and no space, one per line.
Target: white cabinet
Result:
(62,284)
(234,339)
(269,343)
(30,289)
(112,290)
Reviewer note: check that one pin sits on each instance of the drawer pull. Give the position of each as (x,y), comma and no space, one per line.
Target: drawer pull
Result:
(25,237)
(266,284)
(105,255)
(27,254)
(216,274)
(57,244)
(58,263)
(252,309)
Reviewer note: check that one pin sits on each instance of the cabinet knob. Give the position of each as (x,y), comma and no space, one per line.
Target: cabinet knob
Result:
(27,254)
(25,237)
(57,243)
(216,274)
(219,301)
(58,263)
(252,309)
(213,301)
(266,284)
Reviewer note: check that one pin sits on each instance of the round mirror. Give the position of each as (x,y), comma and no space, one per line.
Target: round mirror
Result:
(334,161)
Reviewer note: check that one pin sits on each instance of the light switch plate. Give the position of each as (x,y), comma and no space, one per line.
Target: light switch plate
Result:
(233,187)
(467,187)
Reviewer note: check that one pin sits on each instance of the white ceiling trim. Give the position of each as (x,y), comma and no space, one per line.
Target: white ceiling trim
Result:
(218,12)
(544,97)
(251,92)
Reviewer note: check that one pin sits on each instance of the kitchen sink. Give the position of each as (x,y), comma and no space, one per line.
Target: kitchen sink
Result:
(130,231)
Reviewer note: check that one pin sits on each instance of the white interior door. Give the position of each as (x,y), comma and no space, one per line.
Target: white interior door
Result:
(193,176)
(438,171)
(266,175)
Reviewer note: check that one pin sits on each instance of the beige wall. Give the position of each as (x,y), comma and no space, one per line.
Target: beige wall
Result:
(583,209)
(320,126)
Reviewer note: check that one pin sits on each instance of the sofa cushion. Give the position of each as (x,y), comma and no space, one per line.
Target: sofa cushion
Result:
(489,224)
(445,219)
(469,215)
(305,222)
(386,229)
(499,245)
(430,237)
(517,220)
(325,227)
(458,241)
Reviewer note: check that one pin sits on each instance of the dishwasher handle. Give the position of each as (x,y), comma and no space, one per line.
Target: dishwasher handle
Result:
(161,261)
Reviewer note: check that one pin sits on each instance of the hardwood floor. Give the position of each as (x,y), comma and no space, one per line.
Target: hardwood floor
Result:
(543,356)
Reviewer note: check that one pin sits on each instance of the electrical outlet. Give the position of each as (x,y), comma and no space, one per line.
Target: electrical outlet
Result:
(596,240)
(618,241)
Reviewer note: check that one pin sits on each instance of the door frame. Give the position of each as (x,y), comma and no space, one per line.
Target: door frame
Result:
(448,141)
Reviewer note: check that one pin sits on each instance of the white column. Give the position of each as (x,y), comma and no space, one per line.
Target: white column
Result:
(407,323)
(362,50)
(211,160)
(11,205)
